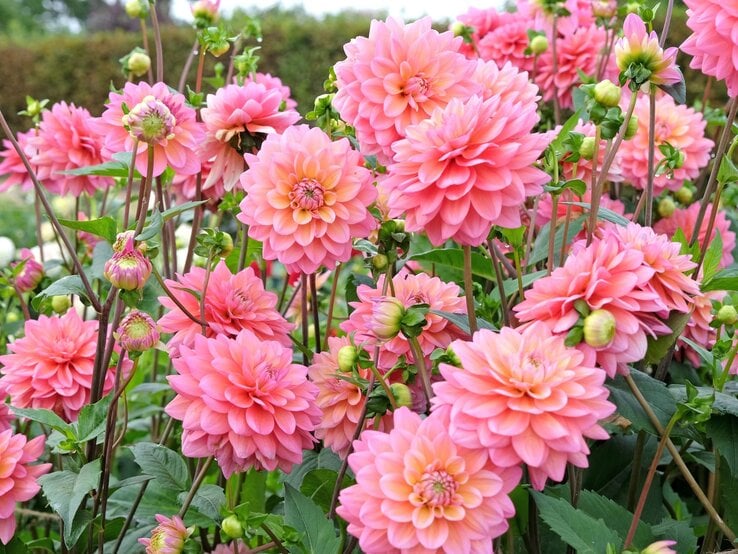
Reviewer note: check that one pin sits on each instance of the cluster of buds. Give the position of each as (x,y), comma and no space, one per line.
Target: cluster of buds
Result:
(390,318)
(602,104)
(129,268)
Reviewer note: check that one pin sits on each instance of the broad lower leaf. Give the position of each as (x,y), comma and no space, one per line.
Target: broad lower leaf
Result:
(104,227)
(166,466)
(662,402)
(92,418)
(723,430)
(45,417)
(319,536)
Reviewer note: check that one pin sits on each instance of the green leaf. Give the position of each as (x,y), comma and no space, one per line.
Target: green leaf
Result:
(453,258)
(703,353)
(462,321)
(557,144)
(318,486)
(65,491)
(723,404)
(511,285)
(45,417)
(679,531)
(209,500)
(325,459)
(540,247)
(104,227)
(300,512)
(156,501)
(15,546)
(92,418)
(658,347)
(728,172)
(713,256)
(579,530)
(602,213)
(108,169)
(153,226)
(71,284)
(726,279)
(662,402)
(617,517)
(100,255)
(176,210)
(723,430)
(166,466)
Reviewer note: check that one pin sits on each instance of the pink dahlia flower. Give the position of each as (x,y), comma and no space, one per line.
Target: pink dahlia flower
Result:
(243,401)
(18,476)
(30,274)
(482,22)
(51,366)
(507,42)
(6,417)
(698,328)
(237,118)
(680,126)
(467,168)
(507,83)
(158,118)
(12,167)
(341,400)
(637,46)
(272,82)
(396,78)
(235,547)
(168,537)
(523,396)
(410,290)
(712,44)
(185,187)
(417,490)
(67,139)
(307,198)
(686,218)
(608,276)
(232,303)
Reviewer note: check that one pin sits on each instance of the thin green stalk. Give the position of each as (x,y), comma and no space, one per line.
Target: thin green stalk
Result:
(173,298)
(332,304)
(500,285)
(596,192)
(419,359)
(667,23)
(157,45)
(314,310)
(304,316)
(469,290)
(145,191)
(552,233)
(208,271)
(651,156)
(129,185)
(195,486)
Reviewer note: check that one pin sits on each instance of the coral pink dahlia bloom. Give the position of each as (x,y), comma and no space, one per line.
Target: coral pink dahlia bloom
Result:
(158,118)
(397,77)
(168,537)
(524,397)
(712,43)
(307,198)
(237,119)
(417,490)
(698,328)
(273,82)
(243,401)
(637,46)
(466,168)
(6,417)
(507,42)
(12,167)
(18,478)
(232,303)
(51,366)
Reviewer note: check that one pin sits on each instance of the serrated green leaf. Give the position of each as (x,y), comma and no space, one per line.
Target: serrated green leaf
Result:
(617,517)
(71,284)
(728,172)
(679,531)
(325,459)
(659,397)
(104,227)
(713,257)
(155,501)
(92,419)
(558,143)
(166,466)
(726,279)
(453,258)
(319,536)
(318,486)
(45,417)
(209,500)
(723,404)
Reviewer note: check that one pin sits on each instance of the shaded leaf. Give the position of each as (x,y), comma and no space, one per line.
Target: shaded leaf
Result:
(453,258)
(319,536)
(726,279)
(209,500)
(462,321)
(45,417)
(166,466)
(91,421)
(662,402)
(104,227)
(71,284)
(723,430)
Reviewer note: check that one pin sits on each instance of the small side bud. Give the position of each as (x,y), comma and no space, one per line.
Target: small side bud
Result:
(599,328)
(684,195)
(386,319)
(347,358)
(607,93)
(539,44)
(727,314)
(586,150)
(632,129)
(60,304)
(402,394)
(138,63)
(666,206)
(137,8)
(232,527)
(380,262)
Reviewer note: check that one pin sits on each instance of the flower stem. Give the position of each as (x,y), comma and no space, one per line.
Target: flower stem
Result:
(648,221)
(145,40)
(331,304)
(173,298)
(596,192)
(419,359)
(157,45)
(552,233)
(314,309)
(145,191)
(304,315)
(195,486)
(187,66)
(469,290)
(667,23)
(500,285)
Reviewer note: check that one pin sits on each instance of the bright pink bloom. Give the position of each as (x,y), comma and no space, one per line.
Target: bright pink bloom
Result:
(232,303)
(31,273)
(51,366)
(6,417)
(243,401)
(12,167)
(680,126)
(237,119)
(686,218)
(67,139)
(307,198)
(698,328)
(507,83)
(712,43)
(168,537)
(523,396)
(482,21)
(507,42)
(17,476)
(272,82)
(396,78)
(467,168)
(417,490)
(159,119)
(409,290)
(637,46)
(207,9)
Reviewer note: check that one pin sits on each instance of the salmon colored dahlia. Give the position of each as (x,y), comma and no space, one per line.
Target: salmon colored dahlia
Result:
(51,366)
(243,401)
(67,139)
(158,118)
(638,47)
(397,77)
(6,417)
(466,168)
(237,119)
(713,44)
(168,537)
(417,490)
(680,126)
(12,171)
(232,303)
(482,22)
(698,328)
(273,82)
(18,478)
(508,42)
(307,199)
(523,396)
(506,82)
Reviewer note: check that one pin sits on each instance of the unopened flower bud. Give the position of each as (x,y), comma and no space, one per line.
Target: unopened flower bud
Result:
(727,314)
(226,244)
(607,93)
(399,225)
(666,206)
(138,64)
(128,269)
(232,527)
(680,159)
(632,7)
(206,10)
(122,239)
(587,149)
(60,304)
(386,319)
(539,44)
(30,274)
(457,28)
(660,547)
(632,129)
(403,395)
(219,49)
(380,262)
(137,332)
(684,195)
(604,8)
(347,358)
(599,328)
(137,8)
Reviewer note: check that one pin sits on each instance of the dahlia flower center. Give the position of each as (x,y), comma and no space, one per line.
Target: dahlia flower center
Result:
(150,121)
(436,488)
(417,87)
(662,132)
(307,194)
(419,298)
(138,328)
(239,304)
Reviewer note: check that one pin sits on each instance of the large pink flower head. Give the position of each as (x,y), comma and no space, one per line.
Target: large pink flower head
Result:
(307,198)
(508,42)
(467,168)
(608,277)
(523,396)
(397,77)
(232,303)
(410,290)
(638,48)
(417,490)
(272,82)
(678,125)
(243,401)
(712,43)
(51,366)
(157,118)
(168,537)
(698,328)
(686,219)
(482,22)
(12,170)
(506,82)
(17,476)
(237,119)
(67,139)
(30,274)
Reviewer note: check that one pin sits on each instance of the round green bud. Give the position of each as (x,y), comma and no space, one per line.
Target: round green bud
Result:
(599,328)
(60,304)
(12,317)
(232,527)
(607,93)
(380,262)
(220,49)
(666,206)
(226,244)
(136,8)
(138,64)
(727,314)
(457,28)
(348,355)
(539,44)
(632,129)
(586,150)
(402,394)
(684,195)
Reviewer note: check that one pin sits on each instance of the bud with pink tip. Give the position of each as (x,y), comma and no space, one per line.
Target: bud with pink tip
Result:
(137,332)
(128,269)
(30,274)
(168,537)
(386,320)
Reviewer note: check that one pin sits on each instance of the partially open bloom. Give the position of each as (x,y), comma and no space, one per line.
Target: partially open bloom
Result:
(307,198)
(712,43)
(128,269)
(386,318)
(12,167)
(18,476)
(206,9)
(639,53)
(137,332)
(232,303)
(51,366)
(31,273)
(243,401)
(168,537)
(417,490)
(523,396)
(660,547)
